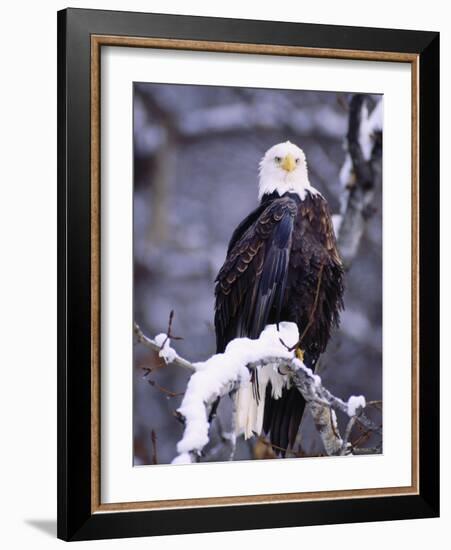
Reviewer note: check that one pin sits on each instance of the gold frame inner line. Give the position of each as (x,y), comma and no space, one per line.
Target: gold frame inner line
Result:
(97,41)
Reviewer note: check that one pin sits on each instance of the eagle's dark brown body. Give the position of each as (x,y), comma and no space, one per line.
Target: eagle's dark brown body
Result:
(282,265)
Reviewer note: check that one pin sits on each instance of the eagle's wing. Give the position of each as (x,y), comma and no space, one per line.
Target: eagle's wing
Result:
(244,226)
(253,278)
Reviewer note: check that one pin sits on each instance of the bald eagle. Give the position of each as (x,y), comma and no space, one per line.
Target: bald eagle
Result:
(282,264)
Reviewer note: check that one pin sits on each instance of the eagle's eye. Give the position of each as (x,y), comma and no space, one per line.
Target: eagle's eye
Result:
(278,159)
(298,161)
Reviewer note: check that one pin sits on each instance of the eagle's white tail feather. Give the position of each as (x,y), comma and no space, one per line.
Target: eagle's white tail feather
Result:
(249,412)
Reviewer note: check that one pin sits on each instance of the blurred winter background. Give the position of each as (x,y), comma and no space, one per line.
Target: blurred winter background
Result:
(196,154)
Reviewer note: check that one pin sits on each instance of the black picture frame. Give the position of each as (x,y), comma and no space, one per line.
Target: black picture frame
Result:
(76,519)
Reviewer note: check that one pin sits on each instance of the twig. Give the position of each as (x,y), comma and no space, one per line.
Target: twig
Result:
(153,437)
(169,335)
(164,390)
(362,437)
(155,384)
(151,344)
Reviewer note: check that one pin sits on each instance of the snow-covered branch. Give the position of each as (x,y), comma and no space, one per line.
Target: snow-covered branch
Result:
(162,345)
(360,174)
(225,372)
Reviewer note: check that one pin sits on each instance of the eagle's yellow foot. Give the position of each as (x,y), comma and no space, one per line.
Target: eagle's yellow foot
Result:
(300,354)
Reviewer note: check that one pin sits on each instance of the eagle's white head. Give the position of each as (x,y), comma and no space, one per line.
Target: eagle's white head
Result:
(283,168)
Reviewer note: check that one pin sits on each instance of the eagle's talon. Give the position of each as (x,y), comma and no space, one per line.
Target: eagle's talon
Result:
(300,354)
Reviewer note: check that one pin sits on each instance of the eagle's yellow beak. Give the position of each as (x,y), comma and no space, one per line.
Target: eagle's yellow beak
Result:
(288,163)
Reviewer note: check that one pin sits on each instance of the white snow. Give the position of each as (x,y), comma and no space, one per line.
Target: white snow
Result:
(218,375)
(167,353)
(346,172)
(355,402)
(369,125)
(184,458)
(300,365)
(229,436)
(377,117)
(334,419)
(336,222)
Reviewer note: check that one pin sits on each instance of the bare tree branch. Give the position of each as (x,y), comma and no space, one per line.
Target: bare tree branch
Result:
(153,437)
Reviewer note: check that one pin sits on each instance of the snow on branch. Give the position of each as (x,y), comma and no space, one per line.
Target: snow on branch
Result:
(360,174)
(162,346)
(225,372)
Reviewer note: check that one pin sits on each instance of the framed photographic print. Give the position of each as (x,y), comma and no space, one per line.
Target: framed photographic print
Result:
(248,274)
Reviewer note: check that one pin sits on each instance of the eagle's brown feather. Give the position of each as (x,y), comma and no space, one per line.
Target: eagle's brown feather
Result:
(282,265)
